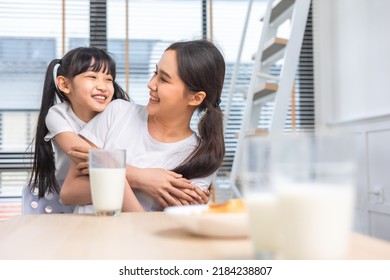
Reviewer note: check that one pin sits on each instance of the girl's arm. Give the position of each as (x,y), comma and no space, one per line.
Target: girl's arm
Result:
(66,140)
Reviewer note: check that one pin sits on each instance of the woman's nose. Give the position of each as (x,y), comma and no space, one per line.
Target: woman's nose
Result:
(152,85)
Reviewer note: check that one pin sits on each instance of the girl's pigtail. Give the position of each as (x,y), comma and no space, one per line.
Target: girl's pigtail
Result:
(43,172)
(119,93)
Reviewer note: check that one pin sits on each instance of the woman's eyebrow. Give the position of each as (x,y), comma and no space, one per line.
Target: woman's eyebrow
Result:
(163,72)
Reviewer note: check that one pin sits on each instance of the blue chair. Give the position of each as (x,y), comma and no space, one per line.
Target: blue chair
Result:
(49,204)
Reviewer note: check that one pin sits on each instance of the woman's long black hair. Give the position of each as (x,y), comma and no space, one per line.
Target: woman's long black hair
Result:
(75,62)
(201,67)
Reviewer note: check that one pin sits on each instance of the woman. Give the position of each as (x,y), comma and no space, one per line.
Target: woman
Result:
(188,77)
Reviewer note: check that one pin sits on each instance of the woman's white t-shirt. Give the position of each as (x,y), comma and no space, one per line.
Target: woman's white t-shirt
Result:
(123,125)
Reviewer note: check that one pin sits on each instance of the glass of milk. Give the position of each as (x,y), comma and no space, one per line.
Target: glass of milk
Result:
(107,173)
(260,196)
(314,178)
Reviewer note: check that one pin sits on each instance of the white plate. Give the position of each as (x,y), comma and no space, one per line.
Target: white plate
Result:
(195,220)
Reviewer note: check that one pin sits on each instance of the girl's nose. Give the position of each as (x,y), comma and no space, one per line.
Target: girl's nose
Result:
(101,86)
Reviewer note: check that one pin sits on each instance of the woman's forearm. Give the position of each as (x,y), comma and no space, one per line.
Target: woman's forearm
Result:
(165,186)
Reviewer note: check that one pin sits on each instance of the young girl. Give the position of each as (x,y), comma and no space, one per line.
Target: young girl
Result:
(76,88)
(188,77)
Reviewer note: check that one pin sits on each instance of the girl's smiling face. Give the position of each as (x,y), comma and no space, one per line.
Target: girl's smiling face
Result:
(89,93)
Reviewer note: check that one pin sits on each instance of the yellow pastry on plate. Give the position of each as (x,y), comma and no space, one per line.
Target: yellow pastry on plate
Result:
(231,206)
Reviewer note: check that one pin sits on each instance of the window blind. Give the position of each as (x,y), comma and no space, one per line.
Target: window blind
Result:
(31,35)
(26,49)
(98,23)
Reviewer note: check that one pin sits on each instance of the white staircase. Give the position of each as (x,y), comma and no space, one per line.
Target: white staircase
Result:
(264,87)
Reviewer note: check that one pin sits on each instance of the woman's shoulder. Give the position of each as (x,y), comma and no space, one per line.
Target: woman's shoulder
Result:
(124,104)
(118,103)
(127,107)
(122,110)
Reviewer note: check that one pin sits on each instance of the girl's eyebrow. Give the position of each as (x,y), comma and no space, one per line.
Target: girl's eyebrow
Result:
(163,73)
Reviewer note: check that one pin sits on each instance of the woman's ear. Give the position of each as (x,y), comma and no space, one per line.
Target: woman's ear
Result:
(197,98)
(63,84)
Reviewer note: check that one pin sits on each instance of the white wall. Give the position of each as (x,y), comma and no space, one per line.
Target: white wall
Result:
(355,45)
(352,82)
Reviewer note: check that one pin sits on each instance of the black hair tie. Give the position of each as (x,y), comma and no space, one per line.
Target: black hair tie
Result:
(216,104)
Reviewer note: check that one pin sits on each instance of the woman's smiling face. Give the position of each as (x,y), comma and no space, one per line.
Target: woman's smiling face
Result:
(168,96)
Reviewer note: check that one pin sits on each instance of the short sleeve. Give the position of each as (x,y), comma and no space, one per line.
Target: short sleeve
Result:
(61,118)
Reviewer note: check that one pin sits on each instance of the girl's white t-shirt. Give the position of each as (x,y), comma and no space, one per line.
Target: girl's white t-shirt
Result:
(61,118)
(123,125)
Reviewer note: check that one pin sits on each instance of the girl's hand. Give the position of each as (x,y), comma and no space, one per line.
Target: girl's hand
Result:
(79,154)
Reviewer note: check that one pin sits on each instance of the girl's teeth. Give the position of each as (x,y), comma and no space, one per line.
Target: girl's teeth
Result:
(99,97)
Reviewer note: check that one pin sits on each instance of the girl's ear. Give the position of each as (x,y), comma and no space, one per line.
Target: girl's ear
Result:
(197,98)
(63,84)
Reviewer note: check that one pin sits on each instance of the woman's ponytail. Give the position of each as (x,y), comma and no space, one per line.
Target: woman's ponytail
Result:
(201,66)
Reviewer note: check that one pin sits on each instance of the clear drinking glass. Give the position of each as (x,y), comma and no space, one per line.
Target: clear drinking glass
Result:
(107,173)
(314,177)
(260,195)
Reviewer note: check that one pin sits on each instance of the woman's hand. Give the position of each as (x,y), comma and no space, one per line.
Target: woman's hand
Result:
(167,187)
(200,196)
(203,194)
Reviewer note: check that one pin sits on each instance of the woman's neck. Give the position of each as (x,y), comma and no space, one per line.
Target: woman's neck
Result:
(168,131)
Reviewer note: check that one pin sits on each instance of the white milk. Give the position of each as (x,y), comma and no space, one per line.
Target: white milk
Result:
(315,220)
(262,210)
(107,188)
